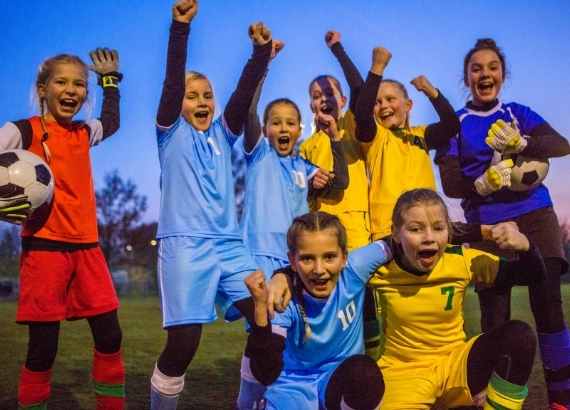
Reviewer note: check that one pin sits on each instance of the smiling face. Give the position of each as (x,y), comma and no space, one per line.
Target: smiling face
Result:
(326,97)
(282,127)
(64,92)
(198,106)
(484,76)
(423,235)
(318,260)
(392,106)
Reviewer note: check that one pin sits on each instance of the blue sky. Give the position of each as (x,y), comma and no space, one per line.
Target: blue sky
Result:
(425,37)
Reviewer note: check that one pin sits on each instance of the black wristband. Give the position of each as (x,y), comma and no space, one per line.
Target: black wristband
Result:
(111,79)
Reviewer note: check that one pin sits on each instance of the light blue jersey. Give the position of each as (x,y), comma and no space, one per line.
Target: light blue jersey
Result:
(336,334)
(336,323)
(276,192)
(197,187)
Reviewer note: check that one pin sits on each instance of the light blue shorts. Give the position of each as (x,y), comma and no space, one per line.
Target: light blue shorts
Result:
(298,391)
(193,272)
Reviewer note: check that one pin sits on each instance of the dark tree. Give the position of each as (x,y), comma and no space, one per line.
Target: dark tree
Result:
(120,209)
(9,251)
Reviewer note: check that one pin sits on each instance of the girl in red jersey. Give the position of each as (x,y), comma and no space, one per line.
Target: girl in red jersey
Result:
(63,273)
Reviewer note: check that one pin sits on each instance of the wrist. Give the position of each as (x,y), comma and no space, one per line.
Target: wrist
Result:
(378,69)
(432,93)
(110,79)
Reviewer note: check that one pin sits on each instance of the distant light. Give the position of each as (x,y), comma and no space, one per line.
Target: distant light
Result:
(129,248)
(153,242)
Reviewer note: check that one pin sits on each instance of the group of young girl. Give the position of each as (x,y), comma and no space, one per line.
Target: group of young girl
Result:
(378,239)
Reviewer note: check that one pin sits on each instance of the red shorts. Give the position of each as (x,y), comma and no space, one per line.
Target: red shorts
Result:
(57,285)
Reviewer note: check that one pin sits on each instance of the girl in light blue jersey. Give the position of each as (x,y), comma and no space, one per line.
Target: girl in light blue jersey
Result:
(202,257)
(278,182)
(311,355)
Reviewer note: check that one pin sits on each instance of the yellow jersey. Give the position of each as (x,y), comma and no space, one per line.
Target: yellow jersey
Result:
(422,315)
(351,205)
(396,161)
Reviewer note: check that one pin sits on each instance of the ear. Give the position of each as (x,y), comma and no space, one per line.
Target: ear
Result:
(291,256)
(409,104)
(395,235)
(343,101)
(41,90)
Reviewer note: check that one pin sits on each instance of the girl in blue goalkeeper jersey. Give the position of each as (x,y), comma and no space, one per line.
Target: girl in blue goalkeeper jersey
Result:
(201,254)
(311,355)
(278,182)
(489,129)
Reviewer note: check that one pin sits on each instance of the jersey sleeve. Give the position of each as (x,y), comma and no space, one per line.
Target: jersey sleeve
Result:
(163,134)
(257,153)
(525,118)
(95,132)
(450,149)
(10,137)
(482,267)
(311,168)
(364,261)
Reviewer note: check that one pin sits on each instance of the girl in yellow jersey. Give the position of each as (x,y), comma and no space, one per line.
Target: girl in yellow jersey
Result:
(397,156)
(426,360)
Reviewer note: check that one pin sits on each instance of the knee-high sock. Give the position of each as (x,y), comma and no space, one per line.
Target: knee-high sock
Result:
(165,390)
(555,352)
(502,394)
(34,389)
(109,378)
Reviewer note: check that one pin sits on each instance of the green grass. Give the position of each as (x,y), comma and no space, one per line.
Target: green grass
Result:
(213,378)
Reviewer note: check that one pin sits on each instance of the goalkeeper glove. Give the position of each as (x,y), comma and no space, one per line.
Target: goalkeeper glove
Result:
(17,212)
(495,177)
(505,138)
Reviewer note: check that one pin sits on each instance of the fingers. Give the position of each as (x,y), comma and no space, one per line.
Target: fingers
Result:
(332,37)
(270,303)
(105,60)
(259,33)
(184,10)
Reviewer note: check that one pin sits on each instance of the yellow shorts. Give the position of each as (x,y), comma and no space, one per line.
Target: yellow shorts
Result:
(357,228)
(433,384)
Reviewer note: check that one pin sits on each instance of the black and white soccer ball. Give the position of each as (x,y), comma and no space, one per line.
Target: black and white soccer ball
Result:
(24,173)
(528,173)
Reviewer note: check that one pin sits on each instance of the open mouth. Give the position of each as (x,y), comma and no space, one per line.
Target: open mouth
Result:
(202,114)
(69,103)
(485,86)
(427,256)
(384,116)
(327,109)
(320,284)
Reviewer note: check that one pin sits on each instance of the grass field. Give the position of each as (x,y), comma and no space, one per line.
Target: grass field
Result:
(213,378)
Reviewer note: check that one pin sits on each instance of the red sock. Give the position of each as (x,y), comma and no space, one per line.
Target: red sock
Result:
(109,379)
(34,388)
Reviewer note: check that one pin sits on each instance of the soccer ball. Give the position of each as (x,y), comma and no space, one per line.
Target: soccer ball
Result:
(528,173)
(24,173)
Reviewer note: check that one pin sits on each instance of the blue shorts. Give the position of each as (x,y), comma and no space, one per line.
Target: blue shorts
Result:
(193,272)
(299,391)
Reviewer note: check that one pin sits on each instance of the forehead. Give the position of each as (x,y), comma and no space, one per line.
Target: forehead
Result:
(69,70)
(198,84)
(324,84)
(283,110)
(485,56)
(318,242)
(388,88)
(425,212)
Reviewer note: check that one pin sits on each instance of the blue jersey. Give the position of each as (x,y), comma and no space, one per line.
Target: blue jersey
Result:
(475,157)
(336,322)
(276,191)
(197,188)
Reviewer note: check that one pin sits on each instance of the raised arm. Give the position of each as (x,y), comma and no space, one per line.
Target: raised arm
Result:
(174,83)
(238,105)
(351,73)
(323,182)
(438,134)
(364,111)
(106,65)
(264,348)
(252,131)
